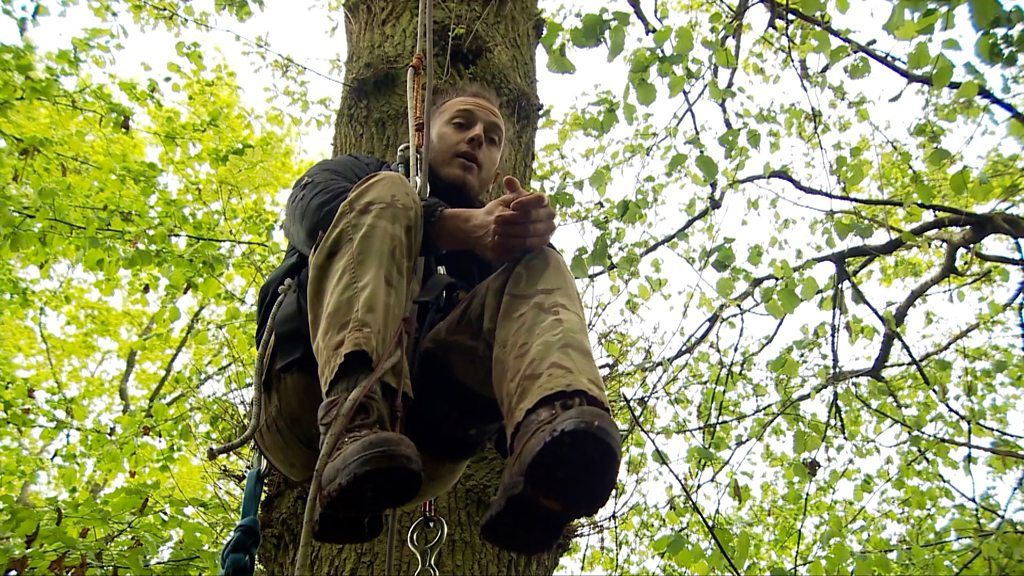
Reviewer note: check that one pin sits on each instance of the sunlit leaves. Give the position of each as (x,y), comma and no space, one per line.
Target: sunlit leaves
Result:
(138,212)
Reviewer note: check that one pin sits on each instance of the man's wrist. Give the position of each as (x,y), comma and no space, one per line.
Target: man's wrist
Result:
(456,229)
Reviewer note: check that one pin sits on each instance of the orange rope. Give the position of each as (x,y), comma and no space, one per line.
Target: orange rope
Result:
(417,65)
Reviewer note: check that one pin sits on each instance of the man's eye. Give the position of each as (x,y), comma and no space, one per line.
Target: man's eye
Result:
(458,123)
(493,141)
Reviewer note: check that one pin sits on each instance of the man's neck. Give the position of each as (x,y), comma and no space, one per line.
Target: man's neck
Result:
(451,195)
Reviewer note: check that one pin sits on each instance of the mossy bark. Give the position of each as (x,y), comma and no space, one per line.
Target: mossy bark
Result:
(492,43)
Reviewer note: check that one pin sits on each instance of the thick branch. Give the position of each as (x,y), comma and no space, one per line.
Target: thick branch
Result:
(787,177)
(947,269)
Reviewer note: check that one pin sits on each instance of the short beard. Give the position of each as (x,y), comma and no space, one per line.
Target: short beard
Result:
(455,195)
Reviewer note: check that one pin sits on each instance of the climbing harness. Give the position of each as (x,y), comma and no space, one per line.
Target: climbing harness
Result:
(428,533)
(426,537)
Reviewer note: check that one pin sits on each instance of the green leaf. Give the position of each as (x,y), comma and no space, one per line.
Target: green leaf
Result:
(809,288)
(616,41)
(984,13)
(938,157)
(662,35)
(552,30)
(644,292)
(725,286)
(559,63)
(754,138)
(589,33)
(860,68)
(842,228)
(788,298)
(968,90)
(960,181)
(1015,128)
(209,287)
(629,112)
(599,255)
(646,93)
(942,74)
(724,258)
(725,57)
(683,41)
(579,267)
(741,549)
(773,308)
(919,56)
(897,17)
(707,167)
(676,84)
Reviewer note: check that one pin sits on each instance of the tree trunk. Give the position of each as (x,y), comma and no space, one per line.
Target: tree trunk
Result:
(492,43)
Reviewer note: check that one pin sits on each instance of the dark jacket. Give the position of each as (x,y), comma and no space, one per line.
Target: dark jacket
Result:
(311,208)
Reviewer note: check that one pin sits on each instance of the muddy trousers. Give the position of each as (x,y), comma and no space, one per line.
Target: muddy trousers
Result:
(515,339)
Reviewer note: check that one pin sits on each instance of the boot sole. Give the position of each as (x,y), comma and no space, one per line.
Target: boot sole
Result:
(377,479)
(570,477)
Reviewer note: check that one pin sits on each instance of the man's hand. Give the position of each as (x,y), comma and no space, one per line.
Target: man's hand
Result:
(504,230)
(517,223)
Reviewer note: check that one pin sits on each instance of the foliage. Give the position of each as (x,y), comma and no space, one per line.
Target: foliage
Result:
(800,251)
(135,221)
(802,246)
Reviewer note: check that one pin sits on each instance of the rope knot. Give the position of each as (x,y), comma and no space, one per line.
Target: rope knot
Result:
(417,62)
(239,555)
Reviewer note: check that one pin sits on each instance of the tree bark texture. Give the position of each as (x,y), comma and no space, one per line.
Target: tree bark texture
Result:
(491,42)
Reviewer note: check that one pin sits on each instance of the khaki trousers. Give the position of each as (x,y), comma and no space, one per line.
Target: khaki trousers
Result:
(515,339)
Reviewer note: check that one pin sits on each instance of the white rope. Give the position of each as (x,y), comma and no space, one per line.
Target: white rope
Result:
(426,27)
(257,394)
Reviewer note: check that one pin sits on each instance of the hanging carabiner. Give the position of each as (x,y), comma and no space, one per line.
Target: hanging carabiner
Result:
(426,550)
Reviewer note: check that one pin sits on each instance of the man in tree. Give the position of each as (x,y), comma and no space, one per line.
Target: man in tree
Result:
(512,354)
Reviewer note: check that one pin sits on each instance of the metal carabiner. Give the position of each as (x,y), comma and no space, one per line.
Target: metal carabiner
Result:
(426,552)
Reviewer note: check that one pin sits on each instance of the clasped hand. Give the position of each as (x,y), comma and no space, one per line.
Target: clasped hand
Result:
(515,224)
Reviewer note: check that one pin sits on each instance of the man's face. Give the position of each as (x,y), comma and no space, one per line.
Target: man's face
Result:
(466,138)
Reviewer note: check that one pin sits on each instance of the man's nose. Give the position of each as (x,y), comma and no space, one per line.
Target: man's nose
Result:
(476,135)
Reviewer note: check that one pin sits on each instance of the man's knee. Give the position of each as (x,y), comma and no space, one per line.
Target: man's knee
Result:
(545,262)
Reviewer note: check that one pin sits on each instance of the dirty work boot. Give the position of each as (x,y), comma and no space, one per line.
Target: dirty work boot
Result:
(372,469)
(564,460)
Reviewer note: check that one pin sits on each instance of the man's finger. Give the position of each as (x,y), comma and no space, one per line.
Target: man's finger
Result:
(506,201)
(545,214)
(512,186)
(531,201)
(527,230)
